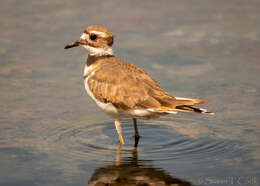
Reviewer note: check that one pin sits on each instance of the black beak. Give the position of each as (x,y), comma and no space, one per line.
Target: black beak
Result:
(71,45)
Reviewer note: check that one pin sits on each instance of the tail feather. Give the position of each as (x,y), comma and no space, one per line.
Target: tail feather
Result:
(187,105)
(192,108)
(189,101)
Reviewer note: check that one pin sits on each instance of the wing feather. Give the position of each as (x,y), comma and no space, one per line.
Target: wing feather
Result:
(124,85)
(128,87)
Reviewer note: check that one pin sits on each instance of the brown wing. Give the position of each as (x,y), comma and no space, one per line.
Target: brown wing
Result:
(126,86)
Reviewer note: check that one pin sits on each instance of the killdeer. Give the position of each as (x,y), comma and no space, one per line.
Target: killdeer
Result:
(122,89)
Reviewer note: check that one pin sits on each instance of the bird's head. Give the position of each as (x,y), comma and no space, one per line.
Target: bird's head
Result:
(97,40)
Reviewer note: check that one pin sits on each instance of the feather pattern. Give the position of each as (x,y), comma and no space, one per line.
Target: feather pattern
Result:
(129,88)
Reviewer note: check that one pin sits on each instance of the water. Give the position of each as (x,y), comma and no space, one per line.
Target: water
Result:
(52,133)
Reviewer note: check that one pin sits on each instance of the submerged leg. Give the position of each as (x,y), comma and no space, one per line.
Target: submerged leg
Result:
(118,128)
(136,132)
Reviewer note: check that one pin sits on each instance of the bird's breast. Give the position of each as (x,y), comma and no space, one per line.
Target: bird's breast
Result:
(109,108)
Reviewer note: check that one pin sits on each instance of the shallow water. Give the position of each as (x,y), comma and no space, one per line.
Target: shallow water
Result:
(52,133)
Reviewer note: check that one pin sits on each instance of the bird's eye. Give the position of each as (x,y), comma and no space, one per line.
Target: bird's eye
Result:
(93,37)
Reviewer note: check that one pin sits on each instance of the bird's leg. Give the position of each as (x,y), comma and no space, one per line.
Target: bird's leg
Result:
(136,132)
(136,129)
(118,155)
(118,128)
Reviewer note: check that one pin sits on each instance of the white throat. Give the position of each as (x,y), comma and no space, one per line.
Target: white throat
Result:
(96,51)
(99,51)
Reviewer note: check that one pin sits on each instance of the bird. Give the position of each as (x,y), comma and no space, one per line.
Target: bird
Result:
(122,89)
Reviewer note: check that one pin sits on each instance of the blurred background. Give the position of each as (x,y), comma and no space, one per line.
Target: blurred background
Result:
(52,133)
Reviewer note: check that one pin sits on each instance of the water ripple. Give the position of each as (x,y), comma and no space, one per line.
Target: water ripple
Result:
(158,142)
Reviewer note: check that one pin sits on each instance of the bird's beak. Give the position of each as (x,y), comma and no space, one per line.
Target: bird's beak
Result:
(71,45)
(80,42)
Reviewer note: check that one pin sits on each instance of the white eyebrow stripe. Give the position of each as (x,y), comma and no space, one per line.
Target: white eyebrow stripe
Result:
(101,34)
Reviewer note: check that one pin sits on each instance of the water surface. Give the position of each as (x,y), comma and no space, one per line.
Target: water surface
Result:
(52,133)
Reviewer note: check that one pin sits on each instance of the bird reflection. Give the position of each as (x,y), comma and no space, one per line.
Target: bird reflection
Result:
(131,171)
